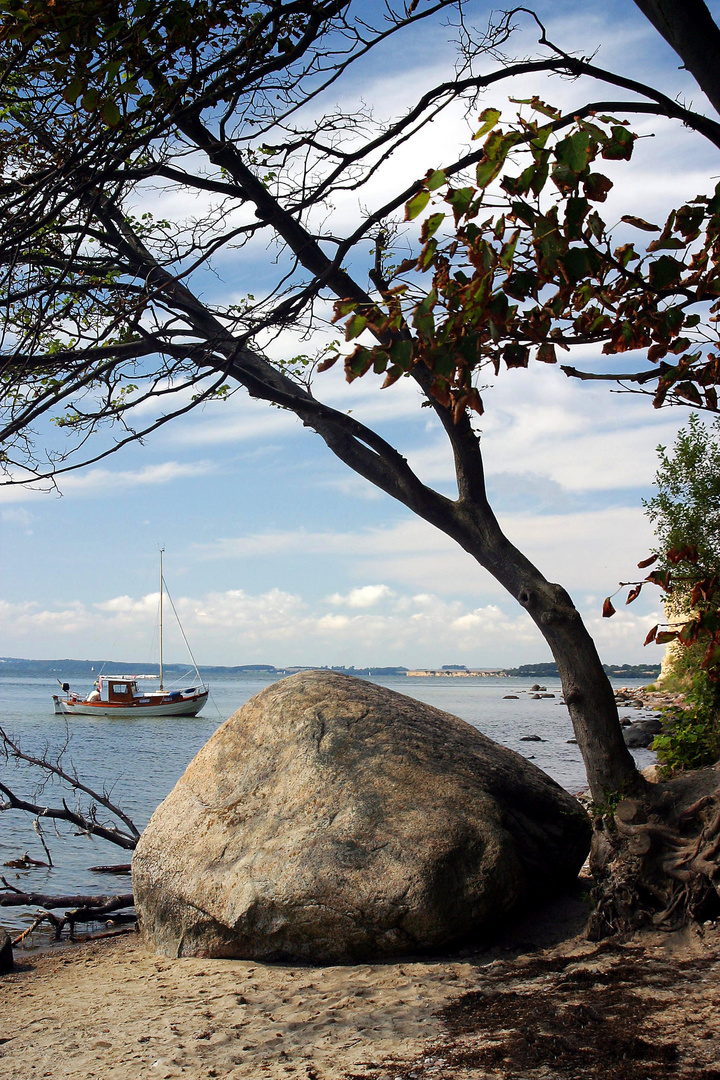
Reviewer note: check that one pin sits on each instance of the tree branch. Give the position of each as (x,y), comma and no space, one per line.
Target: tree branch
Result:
(689,29)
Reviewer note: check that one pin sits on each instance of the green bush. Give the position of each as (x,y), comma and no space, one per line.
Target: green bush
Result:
(691,738)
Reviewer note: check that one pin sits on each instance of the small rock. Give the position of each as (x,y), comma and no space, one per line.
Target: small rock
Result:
(535,697)
(625,721)
(535,686)
(547,695)
(639,736)
(532,738)
(6,953)
(510,697)
(572,741)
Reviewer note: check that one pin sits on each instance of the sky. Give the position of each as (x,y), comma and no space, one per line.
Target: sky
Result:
(276,553)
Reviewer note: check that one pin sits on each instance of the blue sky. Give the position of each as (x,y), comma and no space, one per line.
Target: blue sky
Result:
(277,553)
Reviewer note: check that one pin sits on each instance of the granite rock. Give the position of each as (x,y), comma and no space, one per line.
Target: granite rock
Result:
(333,820)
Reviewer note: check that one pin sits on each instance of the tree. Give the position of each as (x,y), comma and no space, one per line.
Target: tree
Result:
(686,562)
(104,311)
(686,515)
(686,508)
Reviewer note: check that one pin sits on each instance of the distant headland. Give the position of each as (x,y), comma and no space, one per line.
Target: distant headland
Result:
(67,668)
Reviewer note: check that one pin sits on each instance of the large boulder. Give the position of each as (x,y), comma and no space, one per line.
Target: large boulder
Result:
(333,820)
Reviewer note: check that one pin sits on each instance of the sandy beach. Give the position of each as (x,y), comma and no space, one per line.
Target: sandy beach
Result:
(540,1001)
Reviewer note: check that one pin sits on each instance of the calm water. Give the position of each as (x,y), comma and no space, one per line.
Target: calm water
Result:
(140,760)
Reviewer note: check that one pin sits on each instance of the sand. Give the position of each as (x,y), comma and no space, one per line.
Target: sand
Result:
(540,1001)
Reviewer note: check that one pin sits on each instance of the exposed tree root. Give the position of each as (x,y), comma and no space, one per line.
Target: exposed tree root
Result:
(656,860)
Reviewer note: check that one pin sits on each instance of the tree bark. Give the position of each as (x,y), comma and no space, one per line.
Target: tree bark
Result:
(588,694)
(689,28)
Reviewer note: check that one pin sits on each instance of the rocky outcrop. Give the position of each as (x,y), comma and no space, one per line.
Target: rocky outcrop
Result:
(333,820)
(6,953)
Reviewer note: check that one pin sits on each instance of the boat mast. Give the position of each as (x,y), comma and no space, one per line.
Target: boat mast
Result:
(162,549)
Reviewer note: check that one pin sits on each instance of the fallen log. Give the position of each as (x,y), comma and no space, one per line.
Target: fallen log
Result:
(120,868)
(103,903)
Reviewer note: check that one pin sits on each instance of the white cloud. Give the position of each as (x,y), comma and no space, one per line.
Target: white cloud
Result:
(107,482)
(587,552)
(363,597)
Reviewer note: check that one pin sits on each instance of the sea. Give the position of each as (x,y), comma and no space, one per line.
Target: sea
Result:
(138,761)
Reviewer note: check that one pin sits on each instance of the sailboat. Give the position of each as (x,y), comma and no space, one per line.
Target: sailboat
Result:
(121,695)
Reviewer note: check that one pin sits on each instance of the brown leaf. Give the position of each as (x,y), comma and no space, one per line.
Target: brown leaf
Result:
(633,594)
(651,635)
(640,223)
(608,609)
(648,562)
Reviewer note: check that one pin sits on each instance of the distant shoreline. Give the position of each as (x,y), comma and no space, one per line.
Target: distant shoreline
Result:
(67,668)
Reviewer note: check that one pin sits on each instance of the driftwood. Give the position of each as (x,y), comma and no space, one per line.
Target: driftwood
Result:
(119,868)
(83,908)
(101,903)
(124,834)
(25,863)
(656,859)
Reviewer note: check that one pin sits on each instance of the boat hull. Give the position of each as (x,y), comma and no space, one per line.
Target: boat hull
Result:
(187,707)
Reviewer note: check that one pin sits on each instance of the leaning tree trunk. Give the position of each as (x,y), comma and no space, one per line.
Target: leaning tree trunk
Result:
(586,688)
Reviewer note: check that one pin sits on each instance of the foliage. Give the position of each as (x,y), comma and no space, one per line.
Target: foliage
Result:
(686,508)
(691,735)
(110,108)
(534,269)
(686,515)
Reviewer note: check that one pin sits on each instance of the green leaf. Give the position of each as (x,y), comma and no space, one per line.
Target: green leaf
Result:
(486,171)
(417,204)
(575,263)
(597,186)
(574,152)
(431,225)
(496,149)
(665,272)
(522,284)
(507,253)
(90,99)
(576,210)
(401,354)
(520,185)
(488,119)
(359,362)
(110,113)
(427,254)
(435,180)
(564,178)
(343,308)
(460,199)
(355,326)
(620,146)
(688,391)
(73,90)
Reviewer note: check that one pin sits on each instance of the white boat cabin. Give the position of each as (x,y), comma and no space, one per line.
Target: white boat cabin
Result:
(123,690)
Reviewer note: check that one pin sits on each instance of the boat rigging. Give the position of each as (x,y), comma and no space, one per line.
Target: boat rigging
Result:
(120,695)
